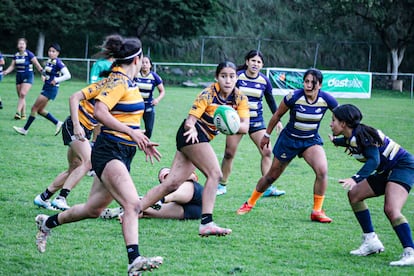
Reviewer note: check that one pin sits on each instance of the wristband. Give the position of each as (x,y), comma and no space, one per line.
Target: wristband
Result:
(267,135)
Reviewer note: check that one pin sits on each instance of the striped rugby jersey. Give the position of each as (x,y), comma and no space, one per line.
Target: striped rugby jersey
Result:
(390,152)
(147,85)
(255,89)
(23,61)
(207,102)
(52,70)
(125,103)
(305,117)
(87,106)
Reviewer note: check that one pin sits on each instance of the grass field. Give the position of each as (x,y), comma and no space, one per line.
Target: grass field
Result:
(276,238)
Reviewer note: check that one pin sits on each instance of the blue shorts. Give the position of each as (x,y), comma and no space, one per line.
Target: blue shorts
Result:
(288,147)
(50,91)
(402,173)
(105,150)
(67,131)
(256,126)
(192,209)
(24,77)
(180,138)
(1,76)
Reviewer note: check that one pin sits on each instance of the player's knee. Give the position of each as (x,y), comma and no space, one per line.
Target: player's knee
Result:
(267,153)
(391,212)
(95,213)
(229,155)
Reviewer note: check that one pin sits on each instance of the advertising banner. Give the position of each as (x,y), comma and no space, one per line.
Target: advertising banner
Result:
(341,84)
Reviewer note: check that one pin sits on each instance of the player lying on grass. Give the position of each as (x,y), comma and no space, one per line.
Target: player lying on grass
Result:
(184,203)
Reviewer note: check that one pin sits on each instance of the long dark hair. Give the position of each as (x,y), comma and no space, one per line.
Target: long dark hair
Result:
(124,50)
(352,116)
(249,55)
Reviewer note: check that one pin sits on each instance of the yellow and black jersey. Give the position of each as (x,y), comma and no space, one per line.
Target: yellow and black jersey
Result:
(87,106)
(207,102)
(121,95)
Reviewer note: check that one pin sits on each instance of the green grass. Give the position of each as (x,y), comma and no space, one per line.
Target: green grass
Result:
(276,238)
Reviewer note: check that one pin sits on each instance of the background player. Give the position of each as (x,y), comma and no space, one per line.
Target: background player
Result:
(23,61)
(147,81)
(55,72)
(254,85)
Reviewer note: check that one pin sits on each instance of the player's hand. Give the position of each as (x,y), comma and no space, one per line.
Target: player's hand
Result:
(264,142)
(192,135)
(151,152)
(155,102)
(348,183)
(279,127)
(139,137)
(78,132)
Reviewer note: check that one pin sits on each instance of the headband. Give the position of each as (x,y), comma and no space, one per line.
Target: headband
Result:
(131,56)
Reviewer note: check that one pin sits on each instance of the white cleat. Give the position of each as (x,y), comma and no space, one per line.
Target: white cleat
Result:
(407,258)
(370,245)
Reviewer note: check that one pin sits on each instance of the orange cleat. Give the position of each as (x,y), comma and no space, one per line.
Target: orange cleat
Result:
(320,216)
(244,209)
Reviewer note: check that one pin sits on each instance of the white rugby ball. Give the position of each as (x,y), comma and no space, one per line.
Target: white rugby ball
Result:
(226,120)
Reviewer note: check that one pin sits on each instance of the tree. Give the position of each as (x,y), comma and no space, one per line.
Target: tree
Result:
(46,17)
(393,21)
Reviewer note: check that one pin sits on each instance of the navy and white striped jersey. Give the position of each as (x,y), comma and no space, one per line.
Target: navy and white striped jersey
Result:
(305,117)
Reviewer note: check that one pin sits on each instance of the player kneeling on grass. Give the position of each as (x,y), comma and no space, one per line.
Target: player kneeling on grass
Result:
(194,149)
(184,203)
(388,170)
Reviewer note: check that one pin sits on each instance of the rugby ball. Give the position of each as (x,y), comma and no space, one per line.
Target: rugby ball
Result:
(226,120)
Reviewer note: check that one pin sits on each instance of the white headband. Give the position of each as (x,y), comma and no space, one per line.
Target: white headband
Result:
(133,55)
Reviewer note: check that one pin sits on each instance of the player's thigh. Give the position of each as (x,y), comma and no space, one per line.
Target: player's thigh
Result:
(204,158)
(316,158)
(117,180)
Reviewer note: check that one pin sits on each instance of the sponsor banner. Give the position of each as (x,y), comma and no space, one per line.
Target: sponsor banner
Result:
(341,84)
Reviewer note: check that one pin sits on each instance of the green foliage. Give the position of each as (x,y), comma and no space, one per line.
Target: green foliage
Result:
(49,16)
(276,238)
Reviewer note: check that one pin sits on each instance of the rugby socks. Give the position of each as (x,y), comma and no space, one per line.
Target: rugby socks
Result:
(52,221)
(29,122)
(51,118)
(64,193)
(254,198)
(46,195)
(133,252)
(206,218)
(403,231)
(318,202)
(363,216)
(223,182)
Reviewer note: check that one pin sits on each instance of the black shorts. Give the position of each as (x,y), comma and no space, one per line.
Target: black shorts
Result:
(192,209)
(180,138)
(105,150)
(67,132)
(402,173)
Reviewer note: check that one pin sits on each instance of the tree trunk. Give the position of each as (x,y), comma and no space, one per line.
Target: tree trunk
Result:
(397,55)
(395,64)
(40,45)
